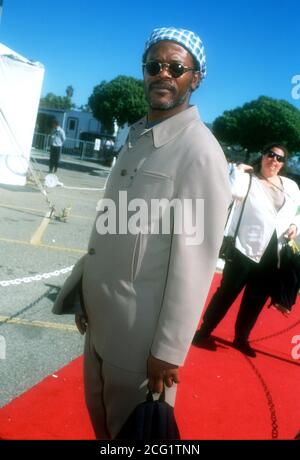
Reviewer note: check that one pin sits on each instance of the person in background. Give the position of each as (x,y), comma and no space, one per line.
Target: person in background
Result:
(269,218)
(57,139)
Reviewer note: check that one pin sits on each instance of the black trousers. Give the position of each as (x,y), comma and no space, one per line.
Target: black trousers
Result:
(257,279)
(54,158)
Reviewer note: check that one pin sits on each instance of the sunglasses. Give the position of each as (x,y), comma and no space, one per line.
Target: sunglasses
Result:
(175,69)
(272,154)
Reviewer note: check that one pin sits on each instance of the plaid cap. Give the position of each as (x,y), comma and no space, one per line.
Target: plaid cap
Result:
(189,40)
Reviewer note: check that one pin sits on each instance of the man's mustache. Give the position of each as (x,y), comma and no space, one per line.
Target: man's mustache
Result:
(162,85)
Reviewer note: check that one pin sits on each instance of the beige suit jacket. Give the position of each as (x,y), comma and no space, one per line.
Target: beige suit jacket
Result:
(145,292)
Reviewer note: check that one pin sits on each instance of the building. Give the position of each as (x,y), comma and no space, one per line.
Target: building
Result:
(75,123)
(84,134)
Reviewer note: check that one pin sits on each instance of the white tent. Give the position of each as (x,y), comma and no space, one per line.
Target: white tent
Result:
(20,88)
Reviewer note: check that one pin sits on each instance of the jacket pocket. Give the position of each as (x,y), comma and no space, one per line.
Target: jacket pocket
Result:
(155,175)
(136,257)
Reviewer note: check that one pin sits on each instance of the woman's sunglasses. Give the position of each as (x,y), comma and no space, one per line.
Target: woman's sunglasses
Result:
(272,154)
(175,69)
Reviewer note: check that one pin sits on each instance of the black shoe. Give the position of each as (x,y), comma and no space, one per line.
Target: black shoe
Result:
(204,341)
(285,311)
(244,347)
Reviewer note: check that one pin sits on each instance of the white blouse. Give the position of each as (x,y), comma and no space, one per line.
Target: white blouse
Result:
(260,217)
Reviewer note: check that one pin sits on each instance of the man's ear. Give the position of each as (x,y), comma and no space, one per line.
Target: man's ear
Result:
(195,81)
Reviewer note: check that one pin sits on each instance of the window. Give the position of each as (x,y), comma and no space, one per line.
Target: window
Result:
(72,124)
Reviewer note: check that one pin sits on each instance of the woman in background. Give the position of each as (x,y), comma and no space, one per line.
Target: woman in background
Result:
(268,220)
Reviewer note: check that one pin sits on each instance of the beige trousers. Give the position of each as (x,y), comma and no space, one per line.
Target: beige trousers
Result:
(112,393)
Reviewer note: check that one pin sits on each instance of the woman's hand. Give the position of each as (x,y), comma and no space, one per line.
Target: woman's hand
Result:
(291,232)
(245,168)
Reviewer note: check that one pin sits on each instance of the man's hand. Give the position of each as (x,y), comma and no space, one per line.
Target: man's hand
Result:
(81,322)
(291,232)
(160,373)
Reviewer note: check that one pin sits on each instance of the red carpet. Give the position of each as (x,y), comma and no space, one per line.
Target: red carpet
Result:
(223,394)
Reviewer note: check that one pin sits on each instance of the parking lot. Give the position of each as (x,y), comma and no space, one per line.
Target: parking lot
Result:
(35,343)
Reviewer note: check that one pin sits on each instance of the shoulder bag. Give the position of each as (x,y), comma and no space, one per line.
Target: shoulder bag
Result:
(228,245)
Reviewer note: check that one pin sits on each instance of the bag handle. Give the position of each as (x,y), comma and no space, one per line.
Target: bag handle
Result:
(149,397)
(242,210)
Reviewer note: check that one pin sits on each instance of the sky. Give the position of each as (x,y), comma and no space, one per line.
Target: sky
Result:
(252,47)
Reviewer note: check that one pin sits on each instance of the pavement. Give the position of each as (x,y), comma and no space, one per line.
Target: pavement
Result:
(33,342)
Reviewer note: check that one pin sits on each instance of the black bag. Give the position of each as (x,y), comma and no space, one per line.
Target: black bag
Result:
(151,420)
(227,248)
(287,283)
(228,244)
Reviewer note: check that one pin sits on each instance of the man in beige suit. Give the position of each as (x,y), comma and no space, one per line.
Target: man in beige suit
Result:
(146,275)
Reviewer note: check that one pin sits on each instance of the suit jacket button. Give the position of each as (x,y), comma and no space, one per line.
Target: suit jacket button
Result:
(123,172)
(92,251)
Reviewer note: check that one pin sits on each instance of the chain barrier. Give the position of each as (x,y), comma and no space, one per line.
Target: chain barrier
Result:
(27,308)
(275,334)
(271,406)
(39,277)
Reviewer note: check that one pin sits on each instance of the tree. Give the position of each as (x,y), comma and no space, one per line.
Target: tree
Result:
(52,101)
(259,122)
(121,100)
(84,108)
(69,91)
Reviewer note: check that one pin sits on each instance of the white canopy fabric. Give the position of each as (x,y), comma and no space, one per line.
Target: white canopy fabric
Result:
(20,88)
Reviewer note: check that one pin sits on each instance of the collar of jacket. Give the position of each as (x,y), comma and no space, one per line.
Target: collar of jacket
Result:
(168,129)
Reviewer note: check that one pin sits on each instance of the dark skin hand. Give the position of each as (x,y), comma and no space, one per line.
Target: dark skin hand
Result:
(81,322)
(161,373)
